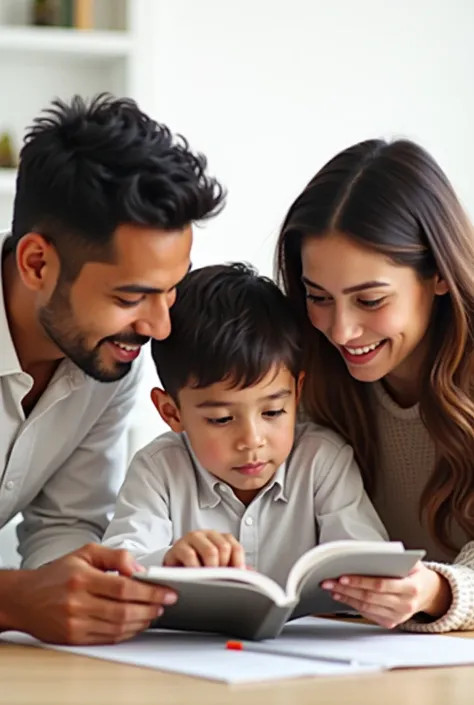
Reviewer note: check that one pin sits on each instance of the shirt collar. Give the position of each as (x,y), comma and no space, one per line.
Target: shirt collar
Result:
(206,483)
(9,362)
(209,497)
(278,481)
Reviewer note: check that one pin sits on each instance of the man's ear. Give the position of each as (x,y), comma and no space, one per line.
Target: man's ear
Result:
(299,386)
(167,409)
(37,262)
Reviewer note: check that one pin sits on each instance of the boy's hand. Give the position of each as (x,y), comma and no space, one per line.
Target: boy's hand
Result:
(206,548)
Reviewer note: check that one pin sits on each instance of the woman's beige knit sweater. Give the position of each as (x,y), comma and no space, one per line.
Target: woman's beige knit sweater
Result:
(407,459)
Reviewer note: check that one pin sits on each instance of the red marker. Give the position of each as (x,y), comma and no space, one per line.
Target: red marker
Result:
(265,651)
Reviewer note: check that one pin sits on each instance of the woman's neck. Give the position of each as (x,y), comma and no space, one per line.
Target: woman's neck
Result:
(403,392)
(404,383)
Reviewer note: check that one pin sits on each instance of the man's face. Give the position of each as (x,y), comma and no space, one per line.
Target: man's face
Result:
(102,319)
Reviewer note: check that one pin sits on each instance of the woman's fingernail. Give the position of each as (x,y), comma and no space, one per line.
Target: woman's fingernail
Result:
(139,568)
(344,580)
(336,596)
(328,584)
(169,598)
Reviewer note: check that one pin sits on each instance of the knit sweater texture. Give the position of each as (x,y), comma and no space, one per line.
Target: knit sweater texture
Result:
(407,459)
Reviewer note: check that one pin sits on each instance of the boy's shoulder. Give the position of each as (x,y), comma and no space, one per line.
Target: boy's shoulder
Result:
(308,433)
(316,449)
(167,446)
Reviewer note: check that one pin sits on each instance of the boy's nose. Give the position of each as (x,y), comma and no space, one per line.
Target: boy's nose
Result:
(251,439)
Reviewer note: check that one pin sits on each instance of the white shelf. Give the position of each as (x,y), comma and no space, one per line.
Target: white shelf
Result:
(7,182)
(62,41)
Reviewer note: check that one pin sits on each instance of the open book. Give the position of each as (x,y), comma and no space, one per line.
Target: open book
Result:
(249,605)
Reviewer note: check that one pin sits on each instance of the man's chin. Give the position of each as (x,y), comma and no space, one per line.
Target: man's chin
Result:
(101,373)
(121,370)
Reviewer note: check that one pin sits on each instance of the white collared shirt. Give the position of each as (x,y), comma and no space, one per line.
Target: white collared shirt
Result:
(316,496)
(62,466)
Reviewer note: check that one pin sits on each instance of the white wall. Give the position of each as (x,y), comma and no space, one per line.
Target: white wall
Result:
(270,89)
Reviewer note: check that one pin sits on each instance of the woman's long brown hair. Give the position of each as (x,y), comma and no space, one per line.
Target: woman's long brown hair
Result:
(394,198)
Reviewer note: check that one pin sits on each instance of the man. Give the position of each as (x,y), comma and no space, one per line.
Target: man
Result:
(101,236)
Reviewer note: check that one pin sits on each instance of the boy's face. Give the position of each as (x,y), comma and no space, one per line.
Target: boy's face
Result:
(240,436)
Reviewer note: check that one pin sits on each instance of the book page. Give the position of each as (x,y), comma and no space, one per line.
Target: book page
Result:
(173,576)
(333,549)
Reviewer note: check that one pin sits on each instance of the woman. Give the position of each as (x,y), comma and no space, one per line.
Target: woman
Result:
(379,252)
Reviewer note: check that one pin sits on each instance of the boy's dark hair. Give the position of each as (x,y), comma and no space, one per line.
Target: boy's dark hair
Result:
(228,323)
(87,168)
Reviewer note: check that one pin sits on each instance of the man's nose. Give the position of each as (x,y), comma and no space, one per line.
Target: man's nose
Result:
(157,324)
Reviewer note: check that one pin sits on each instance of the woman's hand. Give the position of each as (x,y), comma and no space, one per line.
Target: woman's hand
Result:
(392,601)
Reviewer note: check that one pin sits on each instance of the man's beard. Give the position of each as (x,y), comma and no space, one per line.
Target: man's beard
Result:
(57,320)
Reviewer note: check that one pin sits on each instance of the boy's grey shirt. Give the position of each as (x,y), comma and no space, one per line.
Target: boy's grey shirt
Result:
(315,496)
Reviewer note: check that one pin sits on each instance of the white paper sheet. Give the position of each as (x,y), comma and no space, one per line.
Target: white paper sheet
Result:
(205,656)
(370,644)
(201,656)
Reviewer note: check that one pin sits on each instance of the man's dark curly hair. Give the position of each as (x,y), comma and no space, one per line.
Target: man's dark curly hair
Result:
(86,168)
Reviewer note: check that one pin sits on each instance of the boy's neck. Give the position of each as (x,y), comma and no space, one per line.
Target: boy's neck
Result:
(245,496)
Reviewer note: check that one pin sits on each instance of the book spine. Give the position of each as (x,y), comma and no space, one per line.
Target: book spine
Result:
(273,624)
(84,14)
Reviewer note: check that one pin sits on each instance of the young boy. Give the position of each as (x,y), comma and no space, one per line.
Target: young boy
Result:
(236,482)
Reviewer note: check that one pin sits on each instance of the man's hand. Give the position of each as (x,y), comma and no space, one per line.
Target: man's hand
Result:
(73,600)
(206,548)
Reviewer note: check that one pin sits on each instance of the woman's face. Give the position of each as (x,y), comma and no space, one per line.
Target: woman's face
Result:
(375,312)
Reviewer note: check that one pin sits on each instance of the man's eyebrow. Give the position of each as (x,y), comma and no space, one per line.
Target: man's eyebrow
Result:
(144,289)
(140,289)
(350,289)
(210,404)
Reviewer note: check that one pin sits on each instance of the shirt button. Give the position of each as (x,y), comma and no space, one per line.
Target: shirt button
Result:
(249,521)
(10,485)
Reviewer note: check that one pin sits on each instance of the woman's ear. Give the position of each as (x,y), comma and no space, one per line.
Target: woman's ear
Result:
(441,286)
(167,409)
(299,386)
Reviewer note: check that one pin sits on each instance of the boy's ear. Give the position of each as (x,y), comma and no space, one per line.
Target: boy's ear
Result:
(167,409)
(299,386)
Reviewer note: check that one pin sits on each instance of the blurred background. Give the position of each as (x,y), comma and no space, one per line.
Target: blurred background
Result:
(267,89)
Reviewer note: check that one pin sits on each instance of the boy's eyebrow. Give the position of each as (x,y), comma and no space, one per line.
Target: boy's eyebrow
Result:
(350,289)
(210,404)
